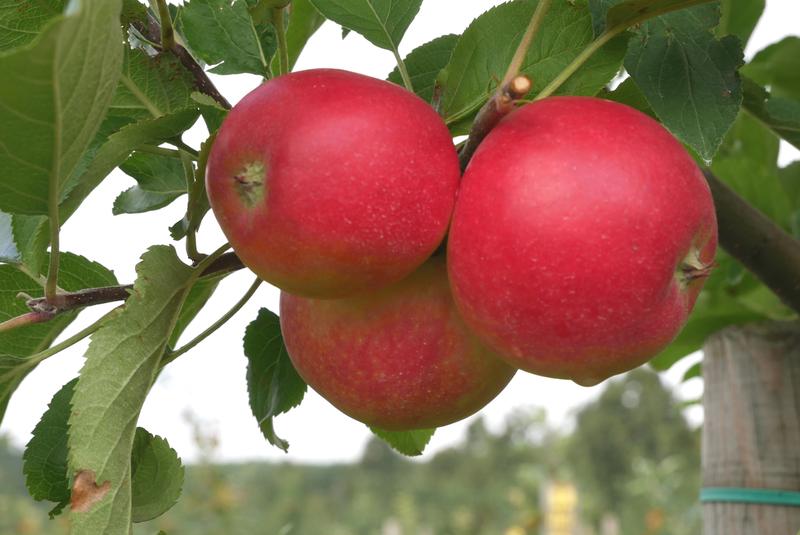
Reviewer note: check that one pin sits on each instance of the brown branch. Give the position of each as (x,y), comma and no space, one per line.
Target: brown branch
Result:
(70,301)
(202,82)
(764,248)
(201,79)
(497,107)
(43,309)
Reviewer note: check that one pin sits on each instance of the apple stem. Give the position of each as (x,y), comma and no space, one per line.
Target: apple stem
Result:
(690,274)
(497,107)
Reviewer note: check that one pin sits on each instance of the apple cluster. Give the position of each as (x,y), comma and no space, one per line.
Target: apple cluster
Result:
(578,239)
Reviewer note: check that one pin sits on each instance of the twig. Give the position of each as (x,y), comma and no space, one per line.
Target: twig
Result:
(82,298)
(753,239)
(43,310)
(201,80)
(513,86)
(500,105)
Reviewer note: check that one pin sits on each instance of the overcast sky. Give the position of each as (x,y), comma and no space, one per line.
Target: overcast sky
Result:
(209,381)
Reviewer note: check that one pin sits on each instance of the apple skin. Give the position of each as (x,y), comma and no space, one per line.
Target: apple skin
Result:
(398,359)
(581,238)
(327,183)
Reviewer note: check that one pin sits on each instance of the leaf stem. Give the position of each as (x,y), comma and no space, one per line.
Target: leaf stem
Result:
(159,151)
(65,302)
(178,142)
(214,326)
(191,228)
(167,33)
(527,38)
(604,38)
(513,87)
(579,60)
(280,30)
(401,66)
(72,340)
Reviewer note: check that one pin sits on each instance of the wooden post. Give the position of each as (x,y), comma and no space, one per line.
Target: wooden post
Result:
(751,434)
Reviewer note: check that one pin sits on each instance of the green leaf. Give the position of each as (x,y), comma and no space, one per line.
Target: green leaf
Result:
(382,22)
(304,21)
(112,146)
(55,92)
(599,11)
(776,67)
(696,370)
(19,345)
(21,23)
(136,200)
(157,473)
(424,64)
(213,114)
(119,146)
(748,162)
(272,382)
(122,362)
(688,76)
(411,443)
(151,86)
(32,238)
(198,296)
(739,18)
(222,33)
(160,181)
(45,458)
(712,312)
(156,476)
(480,58)
(608,14)
(628,93)
(790,180)
(8,246)
(781,115)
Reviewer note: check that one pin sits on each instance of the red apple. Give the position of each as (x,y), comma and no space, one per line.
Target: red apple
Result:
(581,237)
(327,182)
(399,358)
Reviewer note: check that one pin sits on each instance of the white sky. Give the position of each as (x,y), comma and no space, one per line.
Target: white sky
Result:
(209,381)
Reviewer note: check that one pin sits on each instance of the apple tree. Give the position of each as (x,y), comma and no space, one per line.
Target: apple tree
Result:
(89,86)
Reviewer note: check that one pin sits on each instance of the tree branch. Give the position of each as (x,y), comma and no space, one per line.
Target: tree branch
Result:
(44,309)
(764,248)
(202,82)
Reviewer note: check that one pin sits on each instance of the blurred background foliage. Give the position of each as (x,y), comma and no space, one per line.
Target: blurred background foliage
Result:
(631,455)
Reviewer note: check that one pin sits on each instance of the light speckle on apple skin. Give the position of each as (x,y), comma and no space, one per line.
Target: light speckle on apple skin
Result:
(400,358)
(361,184)
(571,220)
